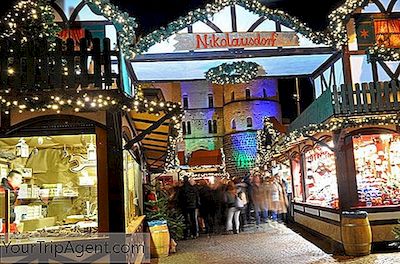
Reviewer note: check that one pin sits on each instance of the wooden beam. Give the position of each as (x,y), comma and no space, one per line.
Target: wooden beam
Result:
(147,121)
(155,140)
(157,146)
(153,149)
(154,132)
(231,54)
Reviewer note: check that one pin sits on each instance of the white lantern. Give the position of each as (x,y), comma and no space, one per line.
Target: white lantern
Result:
(22,149)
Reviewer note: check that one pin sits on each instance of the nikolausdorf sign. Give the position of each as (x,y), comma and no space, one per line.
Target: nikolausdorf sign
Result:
(197,41)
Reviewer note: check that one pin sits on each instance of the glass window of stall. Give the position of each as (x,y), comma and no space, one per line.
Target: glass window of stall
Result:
(58,186)
(377,163)
(320,177)
(296,176)
(132,185)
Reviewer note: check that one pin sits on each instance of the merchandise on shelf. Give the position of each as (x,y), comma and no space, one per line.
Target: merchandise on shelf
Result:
(320,178)
(377,163)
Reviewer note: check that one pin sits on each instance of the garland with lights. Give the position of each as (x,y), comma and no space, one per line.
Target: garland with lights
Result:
(28,21)
(266,139)
(284,142)
(233,73)
(124,24)
(210,9)
(338,19)
(383,53)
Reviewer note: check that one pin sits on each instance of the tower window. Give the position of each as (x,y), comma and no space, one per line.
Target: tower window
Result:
(233,96)
(210,101)
(247,94)
(233,124)
(215,126)
(189,128)
(184,128)
(185,102)
(265,93)
(210,129)
(249,121)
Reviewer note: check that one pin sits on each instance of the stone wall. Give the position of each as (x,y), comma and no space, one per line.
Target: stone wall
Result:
(240,151)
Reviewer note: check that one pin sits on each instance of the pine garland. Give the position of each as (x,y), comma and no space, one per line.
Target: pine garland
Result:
(233,73)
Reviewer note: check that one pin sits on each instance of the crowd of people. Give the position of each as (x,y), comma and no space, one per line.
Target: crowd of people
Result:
(228,205)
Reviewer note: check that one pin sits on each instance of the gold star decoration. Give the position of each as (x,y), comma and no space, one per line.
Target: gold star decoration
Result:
(364,33)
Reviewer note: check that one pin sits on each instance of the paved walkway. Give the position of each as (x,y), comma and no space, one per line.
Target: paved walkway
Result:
(267,245)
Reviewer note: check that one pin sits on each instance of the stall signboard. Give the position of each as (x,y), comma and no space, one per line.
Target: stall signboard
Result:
(234,40)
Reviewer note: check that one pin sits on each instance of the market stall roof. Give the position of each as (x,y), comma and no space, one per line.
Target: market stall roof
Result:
(155,144)
(296,65)
(186,53)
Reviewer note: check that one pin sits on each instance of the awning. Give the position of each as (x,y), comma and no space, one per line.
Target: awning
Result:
(154,144)
(205,157)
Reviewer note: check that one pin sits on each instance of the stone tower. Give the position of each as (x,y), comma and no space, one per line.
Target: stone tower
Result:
(245,106)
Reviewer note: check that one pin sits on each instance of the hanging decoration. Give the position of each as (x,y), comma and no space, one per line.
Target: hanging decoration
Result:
(29,20)
(233,73)
(210,9)
(124,24)
(172,160)
(266,139)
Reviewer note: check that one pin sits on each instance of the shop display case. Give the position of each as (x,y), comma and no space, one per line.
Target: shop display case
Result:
(58,181)
(320,177)
(377,163)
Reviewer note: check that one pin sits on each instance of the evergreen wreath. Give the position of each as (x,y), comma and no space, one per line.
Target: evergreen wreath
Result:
(233,73)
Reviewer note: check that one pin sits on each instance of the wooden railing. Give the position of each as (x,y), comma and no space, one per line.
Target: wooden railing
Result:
(43,66)
(366,98)
(351,100)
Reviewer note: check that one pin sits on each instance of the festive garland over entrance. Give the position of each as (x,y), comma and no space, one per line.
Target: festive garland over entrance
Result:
(233,73)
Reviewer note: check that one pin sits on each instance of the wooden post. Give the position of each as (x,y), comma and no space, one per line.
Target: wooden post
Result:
(345,170)
(346,65)
(115,171)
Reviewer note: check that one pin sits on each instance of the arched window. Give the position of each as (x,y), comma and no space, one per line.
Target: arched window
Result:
(210,101)
(233,124)
(248,94)
(189,128)
(210,129)
(265,93)
(233,96)
(249,121)
(215,126)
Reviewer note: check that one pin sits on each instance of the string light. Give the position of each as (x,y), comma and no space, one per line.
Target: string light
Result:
(280,142)
(124,24)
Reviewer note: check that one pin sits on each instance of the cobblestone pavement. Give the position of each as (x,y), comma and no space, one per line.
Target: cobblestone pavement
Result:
(273,245)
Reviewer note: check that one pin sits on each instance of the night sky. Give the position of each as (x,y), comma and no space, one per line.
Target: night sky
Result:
(151,14)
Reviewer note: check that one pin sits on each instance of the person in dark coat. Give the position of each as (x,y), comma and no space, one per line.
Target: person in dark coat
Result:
(189,201)
(12,183)
(207,206)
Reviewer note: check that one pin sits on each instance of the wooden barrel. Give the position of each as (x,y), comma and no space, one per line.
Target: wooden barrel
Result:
(159,244)
(356,233)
